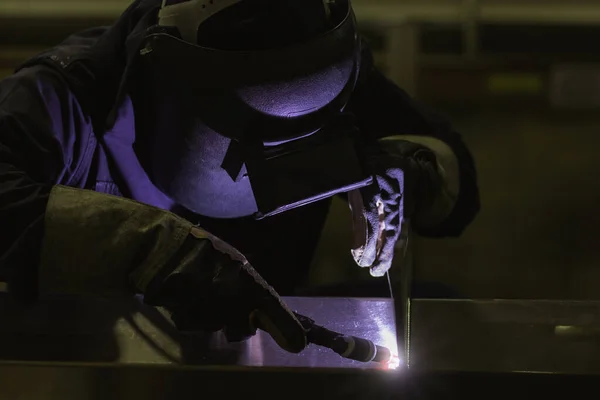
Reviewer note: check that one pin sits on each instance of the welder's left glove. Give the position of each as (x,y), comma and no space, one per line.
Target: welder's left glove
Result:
(408,184)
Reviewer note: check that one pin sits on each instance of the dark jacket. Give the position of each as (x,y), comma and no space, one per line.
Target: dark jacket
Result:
(66,118)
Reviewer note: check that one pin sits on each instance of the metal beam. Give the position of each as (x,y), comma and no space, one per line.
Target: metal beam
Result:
(506,336)
(382,12)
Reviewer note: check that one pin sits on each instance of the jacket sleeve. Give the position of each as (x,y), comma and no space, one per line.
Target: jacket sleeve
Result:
(383,111)
(57,239)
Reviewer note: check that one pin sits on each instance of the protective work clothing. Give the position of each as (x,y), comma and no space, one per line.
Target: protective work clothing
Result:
(204,282)
(106,173)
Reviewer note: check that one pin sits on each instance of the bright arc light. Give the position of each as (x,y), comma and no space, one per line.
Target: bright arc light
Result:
(394,363)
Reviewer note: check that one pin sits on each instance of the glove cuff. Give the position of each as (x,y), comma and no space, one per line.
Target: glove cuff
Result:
(97,244)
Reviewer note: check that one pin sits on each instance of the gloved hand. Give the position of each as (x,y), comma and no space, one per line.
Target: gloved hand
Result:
(100,245)
(407,181)
(213,287)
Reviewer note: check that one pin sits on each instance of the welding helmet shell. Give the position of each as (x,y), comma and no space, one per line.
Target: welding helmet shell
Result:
(225,79)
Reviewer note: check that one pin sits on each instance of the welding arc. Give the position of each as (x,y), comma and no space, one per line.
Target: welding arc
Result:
(349,347)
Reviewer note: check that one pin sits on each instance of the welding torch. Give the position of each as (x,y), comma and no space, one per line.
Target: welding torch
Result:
(349,347)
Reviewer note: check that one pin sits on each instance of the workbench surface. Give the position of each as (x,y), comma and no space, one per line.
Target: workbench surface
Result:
(101,348)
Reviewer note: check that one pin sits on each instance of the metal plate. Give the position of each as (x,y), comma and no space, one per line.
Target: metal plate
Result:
(128,332)
(102,350)
(506,336)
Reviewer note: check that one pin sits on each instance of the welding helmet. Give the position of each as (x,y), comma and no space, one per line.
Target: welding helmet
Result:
(245,104)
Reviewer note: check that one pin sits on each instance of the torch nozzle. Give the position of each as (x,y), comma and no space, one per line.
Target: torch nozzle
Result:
(350,347)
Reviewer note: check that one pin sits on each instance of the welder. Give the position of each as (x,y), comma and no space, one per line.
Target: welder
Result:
(189,153)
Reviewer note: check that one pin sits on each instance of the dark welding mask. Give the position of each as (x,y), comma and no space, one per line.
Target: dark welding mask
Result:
(245,102)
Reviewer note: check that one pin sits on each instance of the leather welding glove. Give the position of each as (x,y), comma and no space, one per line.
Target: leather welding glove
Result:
(100,245)
(213,287)
(408,185)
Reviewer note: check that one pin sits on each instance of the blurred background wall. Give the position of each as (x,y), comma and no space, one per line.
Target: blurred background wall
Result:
(520,79)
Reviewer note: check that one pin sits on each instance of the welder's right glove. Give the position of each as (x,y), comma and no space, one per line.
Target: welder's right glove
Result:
(100,245)
(213,287)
